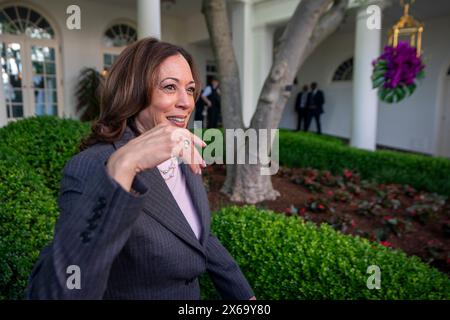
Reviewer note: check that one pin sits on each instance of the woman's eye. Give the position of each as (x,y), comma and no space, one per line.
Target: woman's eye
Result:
(191,90)
(170,87)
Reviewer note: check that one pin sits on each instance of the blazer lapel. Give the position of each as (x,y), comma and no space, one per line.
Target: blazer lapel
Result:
(162,206)
(160,203)
(199,199)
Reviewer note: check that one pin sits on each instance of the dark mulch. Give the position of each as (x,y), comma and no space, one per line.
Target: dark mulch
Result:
(394,227)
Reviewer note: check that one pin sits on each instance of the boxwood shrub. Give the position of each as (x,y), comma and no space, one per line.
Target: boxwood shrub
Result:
(283,258)
(422,172)
(288,258)
(28,213)
(304,149)
(46,143)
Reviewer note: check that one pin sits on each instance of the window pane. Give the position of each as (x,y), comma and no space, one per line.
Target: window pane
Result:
(34,16)
(49,54)
(38,67)
(16,96)
(107,59)
(51,96)
(38,81)
(116,30)
(11,12)
(17,111)
(37,53)
(53,110)
(23,12)
(43,24)
(39,99)
(11,66)
(50,82)
(50,68)
(7,26)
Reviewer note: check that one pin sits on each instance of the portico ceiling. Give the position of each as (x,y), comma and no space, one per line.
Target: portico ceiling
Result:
(423,9)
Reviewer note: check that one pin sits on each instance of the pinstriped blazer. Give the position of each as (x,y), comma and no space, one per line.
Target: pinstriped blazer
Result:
(130,246)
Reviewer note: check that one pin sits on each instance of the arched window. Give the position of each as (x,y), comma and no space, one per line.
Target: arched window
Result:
(18,20)
(29,61)
(115,39)
(345,71)
(120,35)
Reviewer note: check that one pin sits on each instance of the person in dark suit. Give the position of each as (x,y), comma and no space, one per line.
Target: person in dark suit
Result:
(315,107)
(199,108)
(301,107)
(135,219)
(211,98)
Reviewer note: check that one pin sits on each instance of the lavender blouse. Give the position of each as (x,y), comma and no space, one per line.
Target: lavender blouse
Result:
(178,188)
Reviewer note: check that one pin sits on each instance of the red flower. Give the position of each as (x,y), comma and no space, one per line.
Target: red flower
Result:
(386,244)
(388,218)
(330,193)
(353,223)
(348,174)
(302,211)
(321,207)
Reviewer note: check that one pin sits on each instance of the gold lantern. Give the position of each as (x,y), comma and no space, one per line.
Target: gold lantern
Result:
(407,28)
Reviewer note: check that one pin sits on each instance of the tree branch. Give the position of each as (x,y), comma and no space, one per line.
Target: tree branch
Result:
(327,25)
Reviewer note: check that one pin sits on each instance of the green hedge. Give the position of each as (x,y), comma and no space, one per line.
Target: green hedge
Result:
(302,150)
(28,213)
(281,257)
(288,258)
(46,143)
(422,172)
(33,153)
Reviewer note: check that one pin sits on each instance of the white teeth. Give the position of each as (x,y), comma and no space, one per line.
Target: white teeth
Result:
(180,120)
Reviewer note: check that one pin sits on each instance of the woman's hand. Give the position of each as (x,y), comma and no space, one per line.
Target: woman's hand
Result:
(152,148)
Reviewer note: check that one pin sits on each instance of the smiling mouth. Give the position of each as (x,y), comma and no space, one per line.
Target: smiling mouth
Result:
(178,121)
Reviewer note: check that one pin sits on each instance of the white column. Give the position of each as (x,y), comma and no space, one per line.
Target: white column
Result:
(243,46)
(149,18)
(3,114)
(262,62)
(365,99)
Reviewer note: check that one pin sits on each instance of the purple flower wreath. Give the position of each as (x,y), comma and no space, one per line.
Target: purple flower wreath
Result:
(396,72)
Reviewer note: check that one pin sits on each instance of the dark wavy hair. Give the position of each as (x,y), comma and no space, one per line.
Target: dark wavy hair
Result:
(128,88)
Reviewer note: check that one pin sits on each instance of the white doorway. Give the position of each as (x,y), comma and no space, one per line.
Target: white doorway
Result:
(29,56)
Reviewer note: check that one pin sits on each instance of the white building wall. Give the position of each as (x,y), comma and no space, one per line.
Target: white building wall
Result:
(80,48)
(320,67)
(411,124)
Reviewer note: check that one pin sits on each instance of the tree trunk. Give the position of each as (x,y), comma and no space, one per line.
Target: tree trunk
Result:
(244,183)
(215,12)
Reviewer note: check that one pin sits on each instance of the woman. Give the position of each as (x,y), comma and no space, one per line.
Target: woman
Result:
(135,223)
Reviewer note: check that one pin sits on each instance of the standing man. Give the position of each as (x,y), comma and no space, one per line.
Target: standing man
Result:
(301,104)
(199,108)
(211,97)
(315,109)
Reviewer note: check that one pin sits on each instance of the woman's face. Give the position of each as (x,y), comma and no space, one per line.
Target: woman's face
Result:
(173,97)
